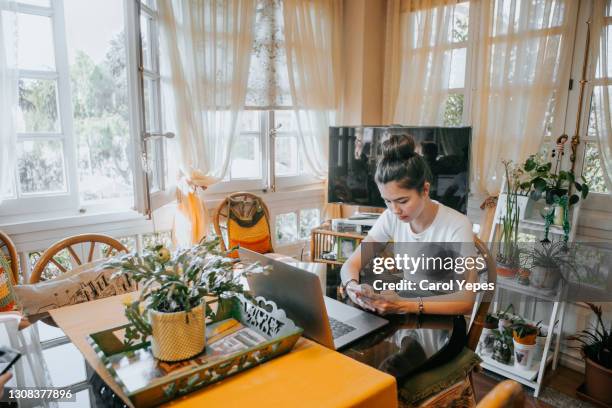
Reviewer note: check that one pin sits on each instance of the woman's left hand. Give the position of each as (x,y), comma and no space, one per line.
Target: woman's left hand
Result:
(388,303)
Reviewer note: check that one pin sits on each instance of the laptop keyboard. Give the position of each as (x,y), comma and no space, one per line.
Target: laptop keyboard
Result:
(338,328)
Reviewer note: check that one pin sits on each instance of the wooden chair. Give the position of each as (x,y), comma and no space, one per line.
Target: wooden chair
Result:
(506,394)
(245,219)
(8,249)
(452,381)
(49,256)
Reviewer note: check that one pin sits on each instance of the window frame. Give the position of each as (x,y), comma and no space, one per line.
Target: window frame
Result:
(18,203)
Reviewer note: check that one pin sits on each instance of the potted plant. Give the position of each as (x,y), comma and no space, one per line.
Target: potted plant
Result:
(555,187)
(502,346)
(596,347)
(524,341)
(488,337)
(549,261)
(508,254)
(171,307)
(505,318)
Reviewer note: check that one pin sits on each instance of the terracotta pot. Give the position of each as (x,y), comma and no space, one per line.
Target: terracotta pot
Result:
(506,271)
(178,336)
(598,381)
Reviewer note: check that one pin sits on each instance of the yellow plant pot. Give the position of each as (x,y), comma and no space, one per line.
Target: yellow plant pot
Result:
(178,336)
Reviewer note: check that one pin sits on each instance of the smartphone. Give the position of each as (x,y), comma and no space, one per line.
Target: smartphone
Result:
(8,357)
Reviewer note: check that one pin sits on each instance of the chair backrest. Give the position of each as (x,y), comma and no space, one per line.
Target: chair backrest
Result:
(8,250)
(50,255)
(506,394)
(246,220)
(486,298)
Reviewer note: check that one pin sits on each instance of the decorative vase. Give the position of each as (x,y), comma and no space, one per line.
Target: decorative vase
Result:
(487,341)
(597,381)
(502,351)
(545,278)
(178,336)
(524,355)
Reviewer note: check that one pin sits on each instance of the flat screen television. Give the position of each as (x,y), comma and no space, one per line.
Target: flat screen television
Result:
(353,151)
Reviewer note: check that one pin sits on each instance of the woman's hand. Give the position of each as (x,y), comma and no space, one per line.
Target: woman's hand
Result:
(387,303)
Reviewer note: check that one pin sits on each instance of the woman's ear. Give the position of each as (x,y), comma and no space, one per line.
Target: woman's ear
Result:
(426,187)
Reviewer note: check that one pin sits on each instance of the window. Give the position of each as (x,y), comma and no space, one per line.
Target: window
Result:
(73,123)
(592,169)
(267,148)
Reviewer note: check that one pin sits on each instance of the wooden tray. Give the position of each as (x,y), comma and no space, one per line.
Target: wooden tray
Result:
(253,335)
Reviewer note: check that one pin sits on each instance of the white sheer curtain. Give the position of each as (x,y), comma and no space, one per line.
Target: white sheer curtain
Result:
(312,40)
(208,44)
(8,94)
(420,35)
(601,104)
(525,60)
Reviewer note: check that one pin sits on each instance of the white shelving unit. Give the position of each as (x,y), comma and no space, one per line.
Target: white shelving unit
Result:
(531,378)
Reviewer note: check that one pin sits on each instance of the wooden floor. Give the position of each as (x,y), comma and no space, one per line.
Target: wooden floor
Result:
(563,380)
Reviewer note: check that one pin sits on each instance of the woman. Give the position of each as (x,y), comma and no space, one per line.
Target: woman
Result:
(404,181)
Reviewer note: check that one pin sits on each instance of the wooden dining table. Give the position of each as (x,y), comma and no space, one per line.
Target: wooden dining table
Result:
(308,376)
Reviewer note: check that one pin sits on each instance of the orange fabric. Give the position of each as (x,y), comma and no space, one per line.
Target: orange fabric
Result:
(7,298)
(190,220)
(309,376)
(256,238)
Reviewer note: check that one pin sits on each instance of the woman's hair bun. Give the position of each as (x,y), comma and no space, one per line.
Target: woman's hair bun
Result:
(398,147)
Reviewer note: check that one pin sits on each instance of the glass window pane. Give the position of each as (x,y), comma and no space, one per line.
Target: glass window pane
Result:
(246,158)
(129,243)
(40,164)
(453,110)
(592,171)
(457,65)
(249,121)
(286,120)
(38,106)
(286,155)
(149,105)
(461,16)
(35,43)
(145,30)
(606,41)
(99,96)
(156,238)
(309,219)
(286,228)
(40,3)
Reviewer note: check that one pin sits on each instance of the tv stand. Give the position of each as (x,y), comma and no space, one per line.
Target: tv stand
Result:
(364,216)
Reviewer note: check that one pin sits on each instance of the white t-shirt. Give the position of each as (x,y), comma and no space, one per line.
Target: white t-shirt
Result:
(448,226)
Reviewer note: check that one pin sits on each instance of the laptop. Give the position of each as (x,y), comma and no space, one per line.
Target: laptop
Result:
(298,292)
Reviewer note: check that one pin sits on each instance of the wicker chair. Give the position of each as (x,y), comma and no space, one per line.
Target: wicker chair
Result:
(243,219)
(8,250)
(452,381)
(49,256)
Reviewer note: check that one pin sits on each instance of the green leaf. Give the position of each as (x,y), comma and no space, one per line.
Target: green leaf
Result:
(585,191)
(578,186)
(530,164)
(573,199)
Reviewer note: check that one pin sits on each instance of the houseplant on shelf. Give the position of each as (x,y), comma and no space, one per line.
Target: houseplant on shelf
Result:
(596,347)
(549,263)
(555,186)
(524,340)
(508,254)
(171,307)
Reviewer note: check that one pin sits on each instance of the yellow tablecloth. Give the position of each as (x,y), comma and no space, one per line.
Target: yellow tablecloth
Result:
(309,376)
